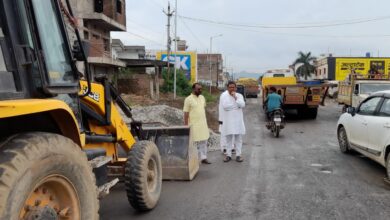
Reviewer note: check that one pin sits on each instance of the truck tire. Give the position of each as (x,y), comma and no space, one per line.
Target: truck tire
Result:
(42,174)
(312,113)
(343,140)
(302,113)
(143,176)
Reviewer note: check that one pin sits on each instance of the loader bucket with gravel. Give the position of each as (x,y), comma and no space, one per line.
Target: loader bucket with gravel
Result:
(179,157)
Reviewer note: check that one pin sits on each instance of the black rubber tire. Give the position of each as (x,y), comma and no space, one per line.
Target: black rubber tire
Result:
(301,112)
(26,159)
(312,113)
(388,165)
(343,140)
(277,131)
(139,195)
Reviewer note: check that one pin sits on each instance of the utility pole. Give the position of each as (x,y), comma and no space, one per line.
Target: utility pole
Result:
(169,41)
(174,67)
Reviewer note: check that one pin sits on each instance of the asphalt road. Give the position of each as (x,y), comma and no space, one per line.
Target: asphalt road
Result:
(300,175)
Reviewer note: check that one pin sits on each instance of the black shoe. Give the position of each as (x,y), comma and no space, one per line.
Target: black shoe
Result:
(227,159)
(239,159)
(205,161)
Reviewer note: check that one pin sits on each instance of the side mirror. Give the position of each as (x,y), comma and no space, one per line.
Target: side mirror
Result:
(351,110)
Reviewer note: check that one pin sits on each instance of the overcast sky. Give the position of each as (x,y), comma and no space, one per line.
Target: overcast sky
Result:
(361,26)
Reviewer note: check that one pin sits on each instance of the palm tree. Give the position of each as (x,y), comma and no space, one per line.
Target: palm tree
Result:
(306,62)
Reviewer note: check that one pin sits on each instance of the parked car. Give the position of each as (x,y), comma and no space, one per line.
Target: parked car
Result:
(366,129)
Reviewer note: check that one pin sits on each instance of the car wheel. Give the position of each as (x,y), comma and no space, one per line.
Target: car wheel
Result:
(343,140)
(388,166)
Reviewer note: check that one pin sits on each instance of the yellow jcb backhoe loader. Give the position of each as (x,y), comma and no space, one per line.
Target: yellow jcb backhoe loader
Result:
(60,134)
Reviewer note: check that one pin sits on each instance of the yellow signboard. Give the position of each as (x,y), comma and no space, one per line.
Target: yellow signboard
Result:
(344,66)
(185,60)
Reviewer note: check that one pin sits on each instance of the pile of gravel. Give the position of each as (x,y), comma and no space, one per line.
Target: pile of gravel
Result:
(164,115)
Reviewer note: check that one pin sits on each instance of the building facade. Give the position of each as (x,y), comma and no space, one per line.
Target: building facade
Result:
(96,19)
(210,69)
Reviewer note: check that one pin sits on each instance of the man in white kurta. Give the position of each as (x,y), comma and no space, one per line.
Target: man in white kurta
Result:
(195,117)
(233,126)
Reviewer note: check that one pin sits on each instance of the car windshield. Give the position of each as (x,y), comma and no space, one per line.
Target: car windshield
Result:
(370,88)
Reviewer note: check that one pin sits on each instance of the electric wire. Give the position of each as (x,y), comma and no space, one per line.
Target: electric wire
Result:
(192,33)
(264,26)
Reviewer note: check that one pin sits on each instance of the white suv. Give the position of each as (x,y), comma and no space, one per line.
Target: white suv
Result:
(366,129)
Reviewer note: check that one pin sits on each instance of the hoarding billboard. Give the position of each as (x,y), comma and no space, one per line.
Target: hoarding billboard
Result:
(186,61)
(344,66)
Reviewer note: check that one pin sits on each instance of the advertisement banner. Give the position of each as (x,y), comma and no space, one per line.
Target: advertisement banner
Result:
(185,60)
(344,66)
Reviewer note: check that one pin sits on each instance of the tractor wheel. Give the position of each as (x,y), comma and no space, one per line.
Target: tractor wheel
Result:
(143,176)
(45,176)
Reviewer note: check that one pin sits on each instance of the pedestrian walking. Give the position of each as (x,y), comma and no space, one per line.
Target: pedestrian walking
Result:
(233,126)
(195,116)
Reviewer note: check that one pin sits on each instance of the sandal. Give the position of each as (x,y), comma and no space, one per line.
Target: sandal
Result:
(227,159)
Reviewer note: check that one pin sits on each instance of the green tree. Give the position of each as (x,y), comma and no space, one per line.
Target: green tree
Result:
(183,86)
(306,62)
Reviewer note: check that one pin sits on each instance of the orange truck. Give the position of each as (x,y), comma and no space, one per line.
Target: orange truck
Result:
(305,97)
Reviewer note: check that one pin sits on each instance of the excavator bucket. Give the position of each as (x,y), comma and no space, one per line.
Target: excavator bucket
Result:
(179,156)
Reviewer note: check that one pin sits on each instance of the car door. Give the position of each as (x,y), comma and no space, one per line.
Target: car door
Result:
(359,123)
(379,128)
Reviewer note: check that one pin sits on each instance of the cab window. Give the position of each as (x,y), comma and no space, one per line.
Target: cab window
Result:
(54,46)
(7,81)
(369,106)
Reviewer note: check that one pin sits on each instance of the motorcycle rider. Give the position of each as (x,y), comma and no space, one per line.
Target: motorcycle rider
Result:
(273,101)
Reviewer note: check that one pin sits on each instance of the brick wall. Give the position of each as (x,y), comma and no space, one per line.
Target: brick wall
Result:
(110,9)
(138,84)
(204,61)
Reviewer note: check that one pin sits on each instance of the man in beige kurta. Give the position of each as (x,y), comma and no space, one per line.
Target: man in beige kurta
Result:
(195,116)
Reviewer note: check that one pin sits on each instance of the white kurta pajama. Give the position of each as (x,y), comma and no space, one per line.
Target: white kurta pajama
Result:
(233,126)
(220,118)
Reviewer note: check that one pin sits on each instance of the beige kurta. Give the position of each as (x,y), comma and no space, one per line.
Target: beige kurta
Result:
(195,106)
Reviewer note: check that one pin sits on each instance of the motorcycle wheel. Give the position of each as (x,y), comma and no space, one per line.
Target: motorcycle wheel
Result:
(276,131)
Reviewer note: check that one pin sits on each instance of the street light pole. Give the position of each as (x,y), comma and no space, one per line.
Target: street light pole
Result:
(174,66)
(211,48)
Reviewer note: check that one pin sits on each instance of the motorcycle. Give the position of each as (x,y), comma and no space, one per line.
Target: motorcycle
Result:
(276,121)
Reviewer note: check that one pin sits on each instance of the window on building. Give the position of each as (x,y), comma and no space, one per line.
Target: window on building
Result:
(95,36)
(119,6)
(106,43)
(99,6)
